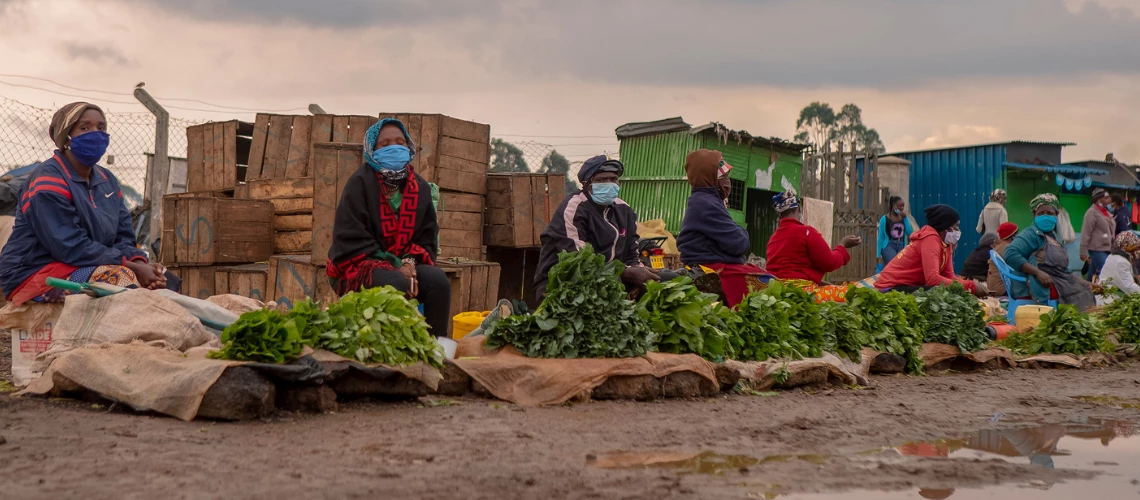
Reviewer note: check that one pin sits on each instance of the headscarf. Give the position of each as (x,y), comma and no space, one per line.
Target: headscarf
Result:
(1098,193)
(1044,199)
(701,167)
(1007,229)
(941,217)
(390,176)
(998,194)
(66,118)
(987,240)
(786,201)
(1127,243)
(597,165)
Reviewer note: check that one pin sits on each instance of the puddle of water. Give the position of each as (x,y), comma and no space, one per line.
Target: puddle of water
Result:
(1113,401)
(694,463)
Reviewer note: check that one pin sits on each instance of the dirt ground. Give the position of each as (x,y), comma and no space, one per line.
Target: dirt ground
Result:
(477,448)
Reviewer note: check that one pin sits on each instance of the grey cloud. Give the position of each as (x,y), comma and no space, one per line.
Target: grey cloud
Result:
(328,13)
(96,53)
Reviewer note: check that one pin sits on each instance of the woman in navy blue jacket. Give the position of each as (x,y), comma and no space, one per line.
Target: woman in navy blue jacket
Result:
(71,222)
(709,237)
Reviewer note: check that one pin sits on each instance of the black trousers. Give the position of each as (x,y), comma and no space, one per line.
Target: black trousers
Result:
(434,293)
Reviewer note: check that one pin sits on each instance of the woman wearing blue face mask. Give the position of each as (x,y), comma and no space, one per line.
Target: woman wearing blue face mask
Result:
(1038,255)
(71,222)
(385,231)
(894,231)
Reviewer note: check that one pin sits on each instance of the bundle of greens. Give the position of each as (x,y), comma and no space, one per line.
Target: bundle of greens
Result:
(953,317)
(777,322)
(376,325)
(264,336)
(843,332)
(892,322)
(311,321)
(1122,317)
(585,314)
(684,320)
(1063,330)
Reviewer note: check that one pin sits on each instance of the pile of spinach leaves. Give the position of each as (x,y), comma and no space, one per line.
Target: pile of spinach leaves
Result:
(264,336)
(779,322)
(1122,317)
(843,332)
(892,322)
(953,317)
(374,325)
(1063,330)
(685,320)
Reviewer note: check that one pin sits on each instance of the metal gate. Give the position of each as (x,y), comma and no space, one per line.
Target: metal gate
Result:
(848,179)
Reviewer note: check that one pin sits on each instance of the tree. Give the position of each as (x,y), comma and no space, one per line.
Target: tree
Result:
(555,163)
(850,129)
(506,157)
(819,124)
(816,124)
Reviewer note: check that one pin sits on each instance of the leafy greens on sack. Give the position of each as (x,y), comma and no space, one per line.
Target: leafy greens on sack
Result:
(953,317)
(1122,317)
(777,322)
(375,325)
(685,320)
(1063,330)
(585,314)
(264,336)
(892,322)
(843,332)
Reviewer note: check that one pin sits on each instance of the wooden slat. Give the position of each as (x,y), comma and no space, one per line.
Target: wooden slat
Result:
(277,147)
(340,129)
(294,242)
(461,202)
(459,220)
(290,206)
(478,152)
(500,235)
(321,129)
(455,180)
(460,238)
(427,161)
(207,229)
(325,165)
(291,279)
(218,168)
(492,290)
(523,215)
(462,129)
(257,147)
(358,128)
(555,193)
(194,159)
(473,253)
(230,153)
(500,216)
(538,208)
(297,162)
(281,188)
(323,289)
(293,223)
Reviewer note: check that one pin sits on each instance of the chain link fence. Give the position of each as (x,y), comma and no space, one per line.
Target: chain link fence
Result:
(538,157)
(24,141)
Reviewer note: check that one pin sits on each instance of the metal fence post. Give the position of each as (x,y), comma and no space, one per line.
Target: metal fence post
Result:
(158,176)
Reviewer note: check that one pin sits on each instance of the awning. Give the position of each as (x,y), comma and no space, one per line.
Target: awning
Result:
(1135,187)
(1057,169)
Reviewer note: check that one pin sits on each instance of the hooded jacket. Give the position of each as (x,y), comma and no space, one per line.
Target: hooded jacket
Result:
(797,251)
(927,261)
(610,229)
(708,233)
(992,216)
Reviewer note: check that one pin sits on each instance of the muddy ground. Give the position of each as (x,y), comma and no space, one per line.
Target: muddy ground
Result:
(477,448)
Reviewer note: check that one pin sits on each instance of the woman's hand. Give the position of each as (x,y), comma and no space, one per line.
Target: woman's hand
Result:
(1044,278)
(148,274)
(409,272)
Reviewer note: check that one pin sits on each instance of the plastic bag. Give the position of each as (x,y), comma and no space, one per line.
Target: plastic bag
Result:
(1065,229)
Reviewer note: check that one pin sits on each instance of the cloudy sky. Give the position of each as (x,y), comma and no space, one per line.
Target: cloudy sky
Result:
(927,73)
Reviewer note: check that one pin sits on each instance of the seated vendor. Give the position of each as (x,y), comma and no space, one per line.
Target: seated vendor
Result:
(1037,255)
(385,230)
(595,215)
(709,237)
(71,222)
(797,251)
(928,261)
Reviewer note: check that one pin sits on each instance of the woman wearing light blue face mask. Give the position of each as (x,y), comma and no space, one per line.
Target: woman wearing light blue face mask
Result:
(385,231)
(1037,254)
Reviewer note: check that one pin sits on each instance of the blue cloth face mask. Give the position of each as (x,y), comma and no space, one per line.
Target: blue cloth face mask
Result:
(1045,223)
(605,193)
(394,157)
(89,148)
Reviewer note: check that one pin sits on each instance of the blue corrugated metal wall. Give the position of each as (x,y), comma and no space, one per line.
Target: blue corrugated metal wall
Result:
(962,178)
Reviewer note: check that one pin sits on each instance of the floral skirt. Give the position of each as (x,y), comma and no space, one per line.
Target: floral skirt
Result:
(822,293)
(111,275)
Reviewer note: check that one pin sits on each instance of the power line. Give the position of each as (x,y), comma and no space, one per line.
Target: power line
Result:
(552,136)
(235,108)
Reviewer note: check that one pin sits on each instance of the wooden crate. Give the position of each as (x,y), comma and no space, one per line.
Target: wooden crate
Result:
(217,154)
(293,243)
(450,201)
(249,280)
(516,278)
(474,285)
(519,206)
(278,189)
(282,144)
(333,164)
(292,278)
(454,154)
(201,231)
(197,282)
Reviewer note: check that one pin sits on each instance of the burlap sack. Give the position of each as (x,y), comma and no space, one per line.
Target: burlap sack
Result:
(32,327)
(237,304)
(934,354)
(510,376)
(827,369)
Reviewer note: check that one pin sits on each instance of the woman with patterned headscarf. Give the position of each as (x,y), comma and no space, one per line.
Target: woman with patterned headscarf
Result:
(71,222)
(1037,254)
(1118,270)
(994,213)
(385,231)
(797,251)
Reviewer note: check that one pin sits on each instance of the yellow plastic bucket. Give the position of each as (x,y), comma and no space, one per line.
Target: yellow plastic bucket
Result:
(1029,316)
(465,322)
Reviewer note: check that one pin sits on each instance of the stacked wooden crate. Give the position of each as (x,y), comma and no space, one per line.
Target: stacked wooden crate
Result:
(292,201)
(519,206)
(217,154)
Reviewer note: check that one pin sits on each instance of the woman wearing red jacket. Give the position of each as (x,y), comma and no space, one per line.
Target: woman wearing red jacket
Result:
(797,251)
(928,261)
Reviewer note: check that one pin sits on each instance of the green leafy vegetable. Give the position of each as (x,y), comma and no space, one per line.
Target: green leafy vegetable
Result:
(585,314)
(1063,330)
(684,319)
(953,317)
(1122,317)
(376,325)
(893,323)
(264,336)
(843,332)
(777,322)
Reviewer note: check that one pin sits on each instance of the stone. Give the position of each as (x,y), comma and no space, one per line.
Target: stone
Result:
(888,363)
(455,381)
(307,398)
(241,393)
(628,387)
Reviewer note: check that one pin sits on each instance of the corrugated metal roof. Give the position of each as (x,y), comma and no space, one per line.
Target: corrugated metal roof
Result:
(743,137)
(1057,169)
(1135,187)
(948,148)
(650,128)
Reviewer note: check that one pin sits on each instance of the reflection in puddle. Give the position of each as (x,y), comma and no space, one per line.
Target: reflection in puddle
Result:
(698,463)
(1113,401)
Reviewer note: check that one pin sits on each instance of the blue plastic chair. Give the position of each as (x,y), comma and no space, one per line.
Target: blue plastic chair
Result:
(1008,276)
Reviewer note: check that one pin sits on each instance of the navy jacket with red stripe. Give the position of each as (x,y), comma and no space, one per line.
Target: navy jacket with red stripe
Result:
(61,218)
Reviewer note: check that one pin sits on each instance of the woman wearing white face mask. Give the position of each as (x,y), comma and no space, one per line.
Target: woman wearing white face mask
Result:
(928,260)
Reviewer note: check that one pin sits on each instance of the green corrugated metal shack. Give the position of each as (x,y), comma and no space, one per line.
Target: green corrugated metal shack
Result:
(654,182)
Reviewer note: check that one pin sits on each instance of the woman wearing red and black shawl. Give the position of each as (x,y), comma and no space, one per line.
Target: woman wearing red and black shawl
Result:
(385,231)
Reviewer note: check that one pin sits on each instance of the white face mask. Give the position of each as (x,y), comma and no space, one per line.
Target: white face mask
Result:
(952,237)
